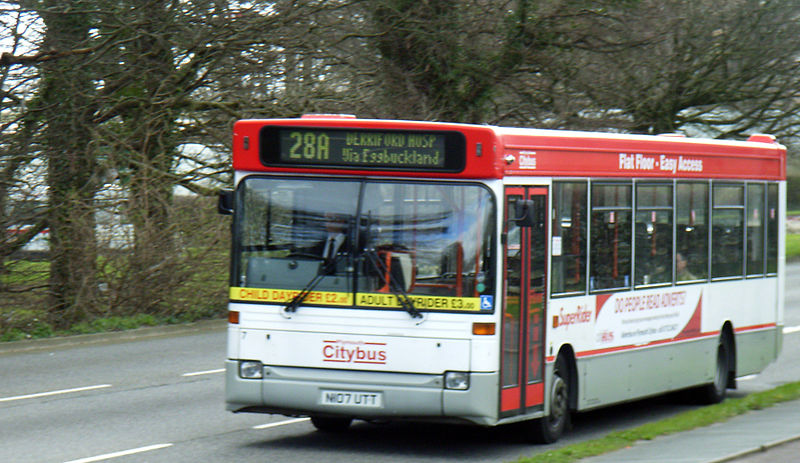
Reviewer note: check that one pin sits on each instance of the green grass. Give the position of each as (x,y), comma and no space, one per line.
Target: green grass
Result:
(683,422)
(100,325)
(792,246)
(37,329)
(25,272)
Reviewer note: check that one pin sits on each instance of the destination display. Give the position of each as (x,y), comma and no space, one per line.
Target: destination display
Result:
(362,149)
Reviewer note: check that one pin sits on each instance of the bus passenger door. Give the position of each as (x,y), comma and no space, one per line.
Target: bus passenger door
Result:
(522,363)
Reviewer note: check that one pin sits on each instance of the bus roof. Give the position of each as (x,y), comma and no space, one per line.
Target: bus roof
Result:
(497,152)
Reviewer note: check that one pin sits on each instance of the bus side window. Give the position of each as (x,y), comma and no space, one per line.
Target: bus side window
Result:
(610,259)
(727,232)
(691,231)
(653,234)
(772,228)
(568,245)
(755,229)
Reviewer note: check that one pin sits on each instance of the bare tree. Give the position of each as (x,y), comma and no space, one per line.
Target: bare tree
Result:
(442,60)
(667,65)
(63,106)
(119,102)
(20,217)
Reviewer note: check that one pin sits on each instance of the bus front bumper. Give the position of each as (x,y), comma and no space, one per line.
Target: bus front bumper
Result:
(297,391)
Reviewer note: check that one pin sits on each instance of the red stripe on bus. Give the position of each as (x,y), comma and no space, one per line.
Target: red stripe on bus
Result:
(756,327)
(590,353)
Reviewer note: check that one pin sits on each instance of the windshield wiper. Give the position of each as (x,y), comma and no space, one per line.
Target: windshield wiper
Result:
(396,288)
(292,305)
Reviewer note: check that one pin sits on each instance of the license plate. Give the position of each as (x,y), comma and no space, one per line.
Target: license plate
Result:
(351,398)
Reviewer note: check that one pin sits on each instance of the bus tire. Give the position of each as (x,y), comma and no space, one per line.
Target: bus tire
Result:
(715,392)
(331,423)
(549,428)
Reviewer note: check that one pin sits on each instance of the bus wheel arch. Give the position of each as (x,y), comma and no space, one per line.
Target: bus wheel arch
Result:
(727,330)
(724,367)
(560,398)
(569,357)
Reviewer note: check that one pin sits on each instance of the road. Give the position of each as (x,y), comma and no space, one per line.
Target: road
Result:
(159,398)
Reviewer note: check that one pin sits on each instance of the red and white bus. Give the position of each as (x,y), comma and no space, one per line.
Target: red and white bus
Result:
(433,271)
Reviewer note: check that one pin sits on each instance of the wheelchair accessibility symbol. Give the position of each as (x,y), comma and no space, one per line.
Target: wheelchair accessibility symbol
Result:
(487,302)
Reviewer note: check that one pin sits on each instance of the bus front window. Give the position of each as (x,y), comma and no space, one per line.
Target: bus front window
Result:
(289,231)
(435,238)
(432,242)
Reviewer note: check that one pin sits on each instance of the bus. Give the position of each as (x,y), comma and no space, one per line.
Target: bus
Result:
(492,275)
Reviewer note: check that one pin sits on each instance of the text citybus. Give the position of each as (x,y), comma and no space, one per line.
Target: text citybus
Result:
(448,272)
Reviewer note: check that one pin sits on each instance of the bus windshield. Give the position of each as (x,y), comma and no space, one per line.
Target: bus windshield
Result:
(365,242)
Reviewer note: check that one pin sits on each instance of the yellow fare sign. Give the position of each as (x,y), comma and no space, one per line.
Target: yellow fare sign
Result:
(420,302)
(286,295)
(381,300)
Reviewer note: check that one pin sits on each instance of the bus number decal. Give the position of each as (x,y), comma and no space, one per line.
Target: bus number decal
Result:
(294,151)
(311,146)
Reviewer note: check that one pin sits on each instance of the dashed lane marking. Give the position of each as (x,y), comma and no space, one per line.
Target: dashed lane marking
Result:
(51,393)
(122,453)
(206,372)
(280,423)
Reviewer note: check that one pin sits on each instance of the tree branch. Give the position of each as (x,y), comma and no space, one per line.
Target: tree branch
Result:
(8,59)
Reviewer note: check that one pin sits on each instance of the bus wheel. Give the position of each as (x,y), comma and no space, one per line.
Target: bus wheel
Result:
(331,423)
(549,429)
(715,392)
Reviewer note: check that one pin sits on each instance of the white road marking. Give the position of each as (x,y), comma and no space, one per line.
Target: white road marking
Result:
(122,453)
(791,329)
(46,394)
(280,423)
(747,378)
(206,372)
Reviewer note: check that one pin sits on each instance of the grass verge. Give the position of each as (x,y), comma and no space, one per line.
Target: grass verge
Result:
(792,246)
(683,422)
(38,329)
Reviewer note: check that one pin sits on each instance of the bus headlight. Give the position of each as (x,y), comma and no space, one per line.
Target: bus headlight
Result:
(251,369)
(458,380)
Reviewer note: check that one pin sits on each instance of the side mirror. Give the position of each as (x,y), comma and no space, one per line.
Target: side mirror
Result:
(525,213)
(225,202)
